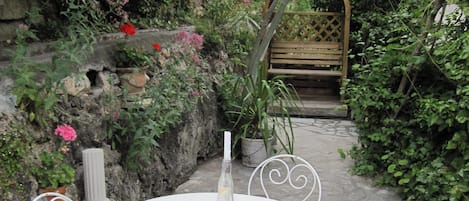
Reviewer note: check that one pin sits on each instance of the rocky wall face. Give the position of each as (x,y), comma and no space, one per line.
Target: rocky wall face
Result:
(173,161)
(12,13)
(170,164)
(198,137)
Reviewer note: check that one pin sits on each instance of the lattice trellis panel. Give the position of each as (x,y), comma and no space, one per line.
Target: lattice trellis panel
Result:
(318,26)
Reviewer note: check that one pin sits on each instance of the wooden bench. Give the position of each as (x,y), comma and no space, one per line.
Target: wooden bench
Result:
(311,44)
(320,59)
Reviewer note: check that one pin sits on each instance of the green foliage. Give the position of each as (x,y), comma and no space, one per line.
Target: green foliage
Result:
(247,102)
(14,146)
(136,128)
(35,84)
(299,5)
(341,153)
(417,139)
(47,16)
(130,57)
(52,18)
(165,13)
(229,26)
(53,172)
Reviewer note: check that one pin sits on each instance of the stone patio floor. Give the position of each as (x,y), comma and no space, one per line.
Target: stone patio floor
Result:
(317,141)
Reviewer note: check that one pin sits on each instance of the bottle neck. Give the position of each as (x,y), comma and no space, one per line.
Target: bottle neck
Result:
(226,166)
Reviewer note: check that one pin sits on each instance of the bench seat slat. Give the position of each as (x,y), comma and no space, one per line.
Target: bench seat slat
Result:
(307,56)
(306,51)
(304,72)
(305,62)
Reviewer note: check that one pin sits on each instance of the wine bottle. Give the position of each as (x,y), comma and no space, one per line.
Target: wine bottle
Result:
(225,182)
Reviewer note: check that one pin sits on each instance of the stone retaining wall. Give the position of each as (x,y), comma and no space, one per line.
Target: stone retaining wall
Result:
(171,163)
(12,13)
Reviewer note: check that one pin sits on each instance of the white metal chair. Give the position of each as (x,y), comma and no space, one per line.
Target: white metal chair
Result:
(56,197)
(298,174)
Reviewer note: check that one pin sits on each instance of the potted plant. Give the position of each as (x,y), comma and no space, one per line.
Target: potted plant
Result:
(132,62)
(247,102)
(53,174)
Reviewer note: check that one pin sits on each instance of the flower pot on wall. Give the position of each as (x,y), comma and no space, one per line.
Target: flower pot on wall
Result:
(133,80)
(62,190)
(253,151)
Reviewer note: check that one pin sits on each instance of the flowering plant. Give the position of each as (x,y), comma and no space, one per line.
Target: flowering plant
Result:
(127,56)
(185,44)
(53,172)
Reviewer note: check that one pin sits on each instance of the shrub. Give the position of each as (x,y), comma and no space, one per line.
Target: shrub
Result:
(409,97)
(14,168)
(229,27)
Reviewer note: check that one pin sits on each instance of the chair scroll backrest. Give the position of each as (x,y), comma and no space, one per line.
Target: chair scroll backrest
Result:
(53,197)
(288,164)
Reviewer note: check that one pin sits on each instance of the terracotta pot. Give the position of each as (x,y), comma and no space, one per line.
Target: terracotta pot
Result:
(133,80)
(61,190)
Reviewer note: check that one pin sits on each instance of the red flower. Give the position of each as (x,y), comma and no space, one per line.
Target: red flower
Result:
(157,47)
(128,29)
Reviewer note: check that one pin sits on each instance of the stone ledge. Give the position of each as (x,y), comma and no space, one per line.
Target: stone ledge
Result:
(41,50)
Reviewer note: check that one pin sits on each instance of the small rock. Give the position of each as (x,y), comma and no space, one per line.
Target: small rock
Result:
(77,85)
(7,103)
(105,80)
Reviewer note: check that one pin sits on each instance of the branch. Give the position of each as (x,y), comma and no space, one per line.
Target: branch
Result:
(437,5)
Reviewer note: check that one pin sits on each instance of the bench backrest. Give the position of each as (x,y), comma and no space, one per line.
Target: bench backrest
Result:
(318,54)
(313,39)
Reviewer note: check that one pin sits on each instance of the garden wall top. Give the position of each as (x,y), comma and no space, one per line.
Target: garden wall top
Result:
(42,51)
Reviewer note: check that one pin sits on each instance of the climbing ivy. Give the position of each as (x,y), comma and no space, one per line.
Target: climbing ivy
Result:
(409,95)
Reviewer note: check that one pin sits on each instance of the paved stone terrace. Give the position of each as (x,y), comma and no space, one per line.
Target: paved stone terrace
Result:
(317,141)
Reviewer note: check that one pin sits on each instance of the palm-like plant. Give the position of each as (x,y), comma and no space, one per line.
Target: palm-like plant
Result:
(247,102)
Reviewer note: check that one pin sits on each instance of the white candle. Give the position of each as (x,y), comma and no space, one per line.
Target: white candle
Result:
(227,146)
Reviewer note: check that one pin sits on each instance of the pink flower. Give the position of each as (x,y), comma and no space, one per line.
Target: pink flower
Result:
(116,115)
(182,36)
(247,2)
(66,132)
(196,41)
(195,93)
(196,59)
(23,26)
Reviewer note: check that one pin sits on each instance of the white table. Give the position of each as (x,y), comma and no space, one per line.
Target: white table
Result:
(206,197)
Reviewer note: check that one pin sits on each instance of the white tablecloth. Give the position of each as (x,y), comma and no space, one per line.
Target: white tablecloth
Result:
(206,197)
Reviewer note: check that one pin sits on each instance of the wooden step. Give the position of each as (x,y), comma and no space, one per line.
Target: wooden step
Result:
(284,71)
(316,108)
(313,82)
